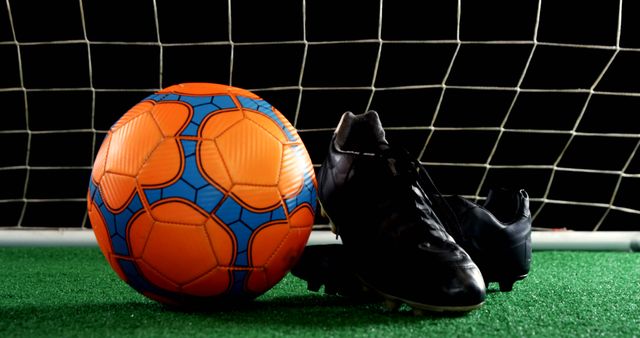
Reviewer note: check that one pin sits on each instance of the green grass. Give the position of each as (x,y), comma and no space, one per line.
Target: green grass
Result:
(72,292)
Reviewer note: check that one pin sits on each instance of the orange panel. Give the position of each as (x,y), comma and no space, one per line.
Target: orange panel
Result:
(265,243)
(292,172)
(287,255)
(172,117)
(251,155)
(155,278)
(268,124)
(213,283)
(132,113)
(177,212)
(257,281)
(221,241)
(179,252)
(117,190)
(302,217)
(138,233)
(257,197)
(212,165)
(99,163)
(202,88)
(164,164)
(218,123)
(132,144)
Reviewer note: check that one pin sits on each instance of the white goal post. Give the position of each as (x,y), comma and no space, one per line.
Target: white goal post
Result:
(541,240)
(482,99)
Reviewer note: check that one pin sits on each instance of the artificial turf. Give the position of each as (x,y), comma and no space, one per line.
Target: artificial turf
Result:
(72,292)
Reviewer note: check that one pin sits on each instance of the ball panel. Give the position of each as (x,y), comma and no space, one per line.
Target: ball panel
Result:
(217,123)
(99,229)
(268,124)
(257,197)
(113,262)
(302,217)
(99,164)
(138,233)
(201,88)
(288,254)
(104,242)
(292,132)
(212,165)
(137,110)
(172,117)
(156,278)
(221,240)
(292,172)
(214,283)
(181,253)
(131,145)
(251,155)
(257,282)
(117,190)
(266,241)
(163,166)
(179,212)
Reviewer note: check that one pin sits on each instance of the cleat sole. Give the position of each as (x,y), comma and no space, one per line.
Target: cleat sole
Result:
(507,285)
(393,303)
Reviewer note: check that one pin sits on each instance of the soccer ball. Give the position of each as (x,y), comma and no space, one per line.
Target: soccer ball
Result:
(202,193)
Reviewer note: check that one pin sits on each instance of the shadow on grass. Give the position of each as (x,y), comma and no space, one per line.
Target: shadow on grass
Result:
(308,312)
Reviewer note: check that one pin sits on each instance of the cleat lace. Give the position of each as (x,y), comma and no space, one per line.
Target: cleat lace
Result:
(411,174)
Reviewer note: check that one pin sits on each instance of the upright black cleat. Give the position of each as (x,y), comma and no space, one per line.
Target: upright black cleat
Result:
(496,234)
(394,242)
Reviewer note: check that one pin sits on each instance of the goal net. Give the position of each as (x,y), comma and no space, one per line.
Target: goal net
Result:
(540,95)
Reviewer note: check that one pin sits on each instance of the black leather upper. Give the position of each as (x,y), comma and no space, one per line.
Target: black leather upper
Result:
(387,222)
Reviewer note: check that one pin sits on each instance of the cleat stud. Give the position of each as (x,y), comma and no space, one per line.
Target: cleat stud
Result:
(418,312)
(506,286)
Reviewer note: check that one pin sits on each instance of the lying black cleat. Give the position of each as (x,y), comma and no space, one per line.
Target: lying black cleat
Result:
(394,242)
(497,235)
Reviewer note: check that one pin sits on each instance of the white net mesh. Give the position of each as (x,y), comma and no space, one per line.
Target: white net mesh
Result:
(538,94)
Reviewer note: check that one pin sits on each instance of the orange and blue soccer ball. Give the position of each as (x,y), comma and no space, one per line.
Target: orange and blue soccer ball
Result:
(202,193)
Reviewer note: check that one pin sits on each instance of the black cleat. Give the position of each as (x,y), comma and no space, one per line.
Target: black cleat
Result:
(394,242)
(497,235)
